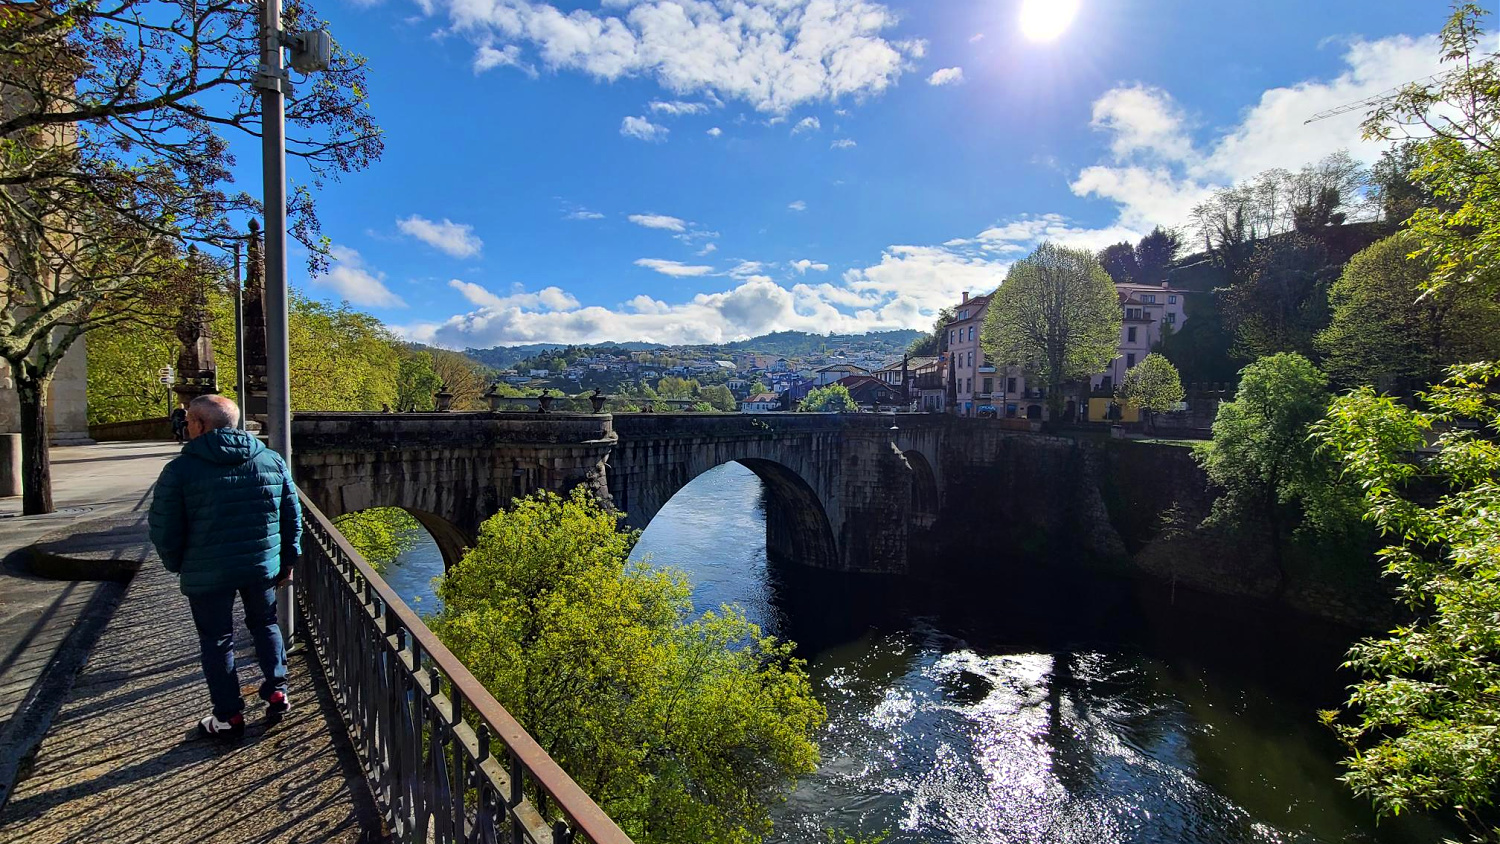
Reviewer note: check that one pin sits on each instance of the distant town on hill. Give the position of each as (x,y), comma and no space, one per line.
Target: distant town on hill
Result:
(777,343)
(740,368)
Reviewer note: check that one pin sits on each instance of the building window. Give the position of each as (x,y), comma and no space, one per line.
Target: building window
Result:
(964,314)
(1130,360)
(1010,385)
(968,385)
(1130,334)
(1171,318)
(971,359)
(1172,299)
(971,334)
(951,334)
(989,386)
(1149,299)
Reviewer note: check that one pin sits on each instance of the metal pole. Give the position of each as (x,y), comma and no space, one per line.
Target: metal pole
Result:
(239,334)
(272,83)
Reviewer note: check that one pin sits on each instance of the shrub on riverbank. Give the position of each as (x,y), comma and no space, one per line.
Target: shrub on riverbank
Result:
(684,728)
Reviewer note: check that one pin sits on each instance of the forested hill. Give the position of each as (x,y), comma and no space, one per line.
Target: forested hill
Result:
(780,343)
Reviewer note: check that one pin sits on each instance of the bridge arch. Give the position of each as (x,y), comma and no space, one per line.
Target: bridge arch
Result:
(925,497)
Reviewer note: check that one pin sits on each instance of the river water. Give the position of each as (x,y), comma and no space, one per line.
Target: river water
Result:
(1036,710)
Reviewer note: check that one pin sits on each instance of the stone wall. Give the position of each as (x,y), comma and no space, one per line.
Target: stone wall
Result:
(159,428)
(67,399)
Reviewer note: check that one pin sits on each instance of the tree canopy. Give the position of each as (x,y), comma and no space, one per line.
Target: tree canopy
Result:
(1262,459)
(1152,385)
(1421,723)
(1384,331)
(684,728)
(1057,314)
(833,398)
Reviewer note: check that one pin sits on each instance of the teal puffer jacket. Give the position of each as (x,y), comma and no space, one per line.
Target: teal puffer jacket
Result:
(225,513)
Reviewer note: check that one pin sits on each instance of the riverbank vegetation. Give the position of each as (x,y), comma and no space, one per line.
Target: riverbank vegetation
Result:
(683,727)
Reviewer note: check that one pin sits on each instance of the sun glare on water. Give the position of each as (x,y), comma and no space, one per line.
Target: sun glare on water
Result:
(1045,20)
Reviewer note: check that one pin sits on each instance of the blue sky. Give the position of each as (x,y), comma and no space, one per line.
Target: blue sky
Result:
(704,170)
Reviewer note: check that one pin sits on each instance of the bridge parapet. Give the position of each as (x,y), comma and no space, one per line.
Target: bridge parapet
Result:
(387,431)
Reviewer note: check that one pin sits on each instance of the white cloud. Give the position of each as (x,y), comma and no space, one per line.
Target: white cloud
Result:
(353,281)
(772,55)
(677,108)
(807,124)
(903,290)
(642,129)
(583,214)
(487,57)
(707,248)
(456,239)
(976,38)
(797,205)
(548,298)
(1157,170)
(946,76)
(715,132)
(676,269)
(658,221)
(843,143)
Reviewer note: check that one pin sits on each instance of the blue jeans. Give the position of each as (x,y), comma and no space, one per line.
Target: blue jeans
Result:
(213,614)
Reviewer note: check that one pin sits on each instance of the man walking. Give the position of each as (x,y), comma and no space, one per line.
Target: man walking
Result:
(225,519)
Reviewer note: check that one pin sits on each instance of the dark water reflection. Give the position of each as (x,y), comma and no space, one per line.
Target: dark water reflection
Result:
(1027,709)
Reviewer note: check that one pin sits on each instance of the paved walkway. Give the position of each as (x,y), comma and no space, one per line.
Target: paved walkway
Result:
(121,761)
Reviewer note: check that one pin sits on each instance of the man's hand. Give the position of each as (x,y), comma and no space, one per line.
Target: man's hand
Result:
(284,578)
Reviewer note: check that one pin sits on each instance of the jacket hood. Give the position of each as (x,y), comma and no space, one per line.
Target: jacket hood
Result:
(229,446)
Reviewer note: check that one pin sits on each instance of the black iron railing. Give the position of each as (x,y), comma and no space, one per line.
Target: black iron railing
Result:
(446,762)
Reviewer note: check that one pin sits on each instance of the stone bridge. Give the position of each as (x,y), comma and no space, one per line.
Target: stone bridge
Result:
(843,491)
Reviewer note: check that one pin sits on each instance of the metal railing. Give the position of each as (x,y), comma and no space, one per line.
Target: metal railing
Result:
(445,760)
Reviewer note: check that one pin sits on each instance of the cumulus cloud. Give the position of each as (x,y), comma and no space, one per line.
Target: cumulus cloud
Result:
(797,205)
(807,124)
(677,107)
(644,130)
(676,269)
(843,143)
(456,239)
(715,132)
(1158,169)
(946,76)
(352,280)
(548,298)
(658,221)
(904,289)
(773,55)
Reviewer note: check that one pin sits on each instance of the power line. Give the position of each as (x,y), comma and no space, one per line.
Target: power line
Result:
(1371,100)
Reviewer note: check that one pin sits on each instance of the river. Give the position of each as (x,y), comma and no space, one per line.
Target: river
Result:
(1061,710)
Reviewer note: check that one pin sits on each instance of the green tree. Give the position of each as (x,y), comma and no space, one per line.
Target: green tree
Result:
(342,359)
(416,382)
(684,728)
(1454,118)
(1155,253)
(719,397)
(833,398)
(464,377)
(1118,259)
(1262,459)
(1201,348)
(1152,385)
(672,387)
(380,534)
(1385,332)
(1057,313)
(1421,725)
(1282,302)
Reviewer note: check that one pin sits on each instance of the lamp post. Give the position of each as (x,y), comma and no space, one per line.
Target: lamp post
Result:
(311,51)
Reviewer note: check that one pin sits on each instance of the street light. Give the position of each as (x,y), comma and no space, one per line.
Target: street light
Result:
(311,51)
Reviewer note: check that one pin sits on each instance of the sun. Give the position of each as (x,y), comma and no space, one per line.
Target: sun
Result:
(1045,20)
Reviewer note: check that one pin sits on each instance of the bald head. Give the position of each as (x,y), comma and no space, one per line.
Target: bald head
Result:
(207,413)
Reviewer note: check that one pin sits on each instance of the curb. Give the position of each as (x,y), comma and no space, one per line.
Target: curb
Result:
(97,550)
